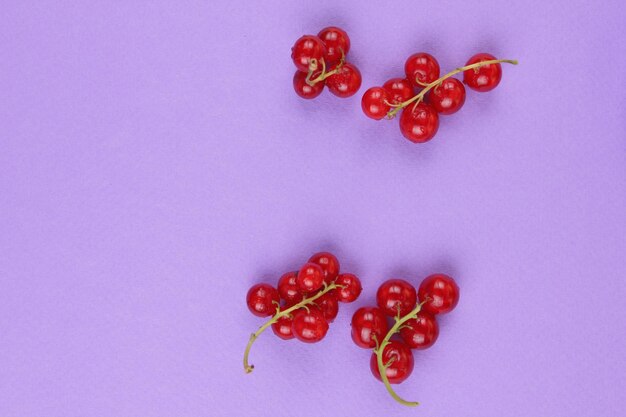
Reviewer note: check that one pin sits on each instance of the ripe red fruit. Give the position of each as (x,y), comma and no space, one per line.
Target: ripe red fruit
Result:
(329,264)
(419,123)
(420,332)
(351,288)
(262,300)
(328,305)
(346,82)
(374,103)
(305,49)
(399,89)
(310,277)
(309,326)
(448,97)
(288,288)
(305,90)
(423,67)
(336,40)
(442,293)
(401,365)
(396,296)
(282,328)
(366,323)
(484,78)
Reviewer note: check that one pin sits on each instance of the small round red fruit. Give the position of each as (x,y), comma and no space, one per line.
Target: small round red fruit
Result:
(396,296)
(374,103)
(288,288)
(310,277)
(309,326)
(448,97)
(337,43)
(419,123)
(305,49)
(400,360)
(484,78)
(303,89)
(346,82)
(440,292)
(328,305)
(420,332)
(262,300)
(368,325)
(283,328)
(399,89)
(329,264)
(350,288)
(421,67)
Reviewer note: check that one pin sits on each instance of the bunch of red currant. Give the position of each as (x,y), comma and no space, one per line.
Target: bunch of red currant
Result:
(321,60)
(436,95)
(310,297)
(415,326)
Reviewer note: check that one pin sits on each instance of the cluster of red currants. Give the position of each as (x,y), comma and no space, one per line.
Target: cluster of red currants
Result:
(321,60)
(435,95)
(310,301)
(415,325)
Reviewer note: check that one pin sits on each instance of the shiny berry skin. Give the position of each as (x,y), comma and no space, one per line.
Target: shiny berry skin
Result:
(396,295)
(351,288)
(399,90)
(329,264)
(262,300)
(309,326)
(346,82)
(336,40)
(310,277)
(306,48)
(423,67)
(442,292)
(422,332)
(283,328)
(305,90)
(374,103)
(367,322)
(401,366)
(288,288)
(419,123)
(448,97)
(484,78)
(328,305)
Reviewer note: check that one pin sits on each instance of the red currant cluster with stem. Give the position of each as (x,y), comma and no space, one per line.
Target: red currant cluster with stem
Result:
(321,61)
(310,301)
(414,325)
(435,95)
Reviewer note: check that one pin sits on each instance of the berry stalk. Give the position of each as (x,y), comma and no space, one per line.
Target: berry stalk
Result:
(313,67)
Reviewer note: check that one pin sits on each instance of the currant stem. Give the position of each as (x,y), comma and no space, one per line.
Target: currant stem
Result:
(427,87)
(279,314)
(313,67)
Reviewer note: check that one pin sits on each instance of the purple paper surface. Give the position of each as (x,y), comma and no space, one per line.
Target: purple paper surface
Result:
(155,162)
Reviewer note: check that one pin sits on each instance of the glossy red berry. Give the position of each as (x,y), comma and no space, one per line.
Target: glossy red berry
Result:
(351,288)
(336,41)
(328,305)
(420,332)
(448,97)
(262,300)
(374,103)
(309,326)
(423,67)
(288,288)
(305,90)
(305,49)
(368,325)
(399,89)
(483,78)
(283,328)
(400,358)
(442,293)
(346,82)
(396,296)
(419,123)
(310,277)
(329,264)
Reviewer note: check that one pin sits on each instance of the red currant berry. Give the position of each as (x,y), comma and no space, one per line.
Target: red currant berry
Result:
(283,328)
(420,332)
(399,90)
(396,296)
(368,325)
(337,43)
(374,103)
(305,49)
(309,326)
(419,123)
(351,288)
(328,305)
(448,97)
(329,264)
(442,294)
(421,67)
(262,300)
(305,90)
(484,78)
(346,82)
(288,288)
(310,278)
(400,360)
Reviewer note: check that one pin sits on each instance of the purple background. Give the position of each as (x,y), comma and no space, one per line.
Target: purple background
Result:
(155,162)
